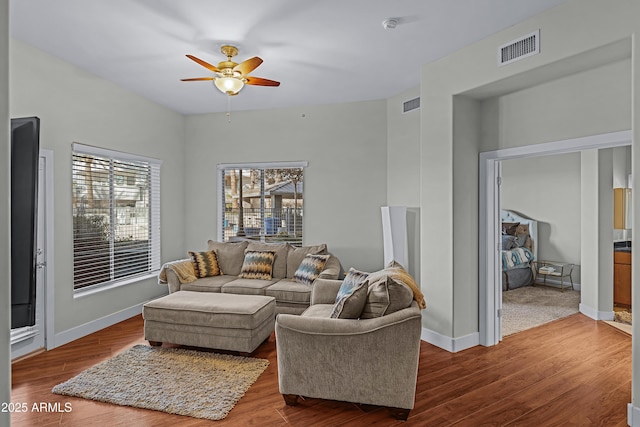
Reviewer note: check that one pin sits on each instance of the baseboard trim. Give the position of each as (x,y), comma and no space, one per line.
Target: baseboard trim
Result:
(452,345)
(595,314)
(633,414)
(80,331)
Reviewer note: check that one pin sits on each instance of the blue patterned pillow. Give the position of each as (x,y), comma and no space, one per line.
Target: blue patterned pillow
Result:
(257,265)
(352,295)
(310,268)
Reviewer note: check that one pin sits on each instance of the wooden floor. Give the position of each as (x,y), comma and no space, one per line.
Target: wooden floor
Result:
(571,372)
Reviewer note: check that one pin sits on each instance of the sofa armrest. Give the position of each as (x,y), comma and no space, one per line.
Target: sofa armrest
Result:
(331,269)
(324,291)
(172,281)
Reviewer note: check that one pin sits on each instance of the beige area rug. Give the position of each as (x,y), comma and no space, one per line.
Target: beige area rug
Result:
(530,306)
(177,381)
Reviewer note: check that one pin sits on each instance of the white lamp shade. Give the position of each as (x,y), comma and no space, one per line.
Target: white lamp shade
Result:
(229,85)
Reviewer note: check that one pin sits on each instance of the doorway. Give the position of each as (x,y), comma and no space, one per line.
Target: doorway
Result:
(490,292)
(29,339)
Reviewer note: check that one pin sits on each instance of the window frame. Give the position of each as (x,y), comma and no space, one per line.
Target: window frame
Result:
(221,167)
(154,215)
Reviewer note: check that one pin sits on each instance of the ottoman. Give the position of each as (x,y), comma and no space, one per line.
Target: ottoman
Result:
(212,320)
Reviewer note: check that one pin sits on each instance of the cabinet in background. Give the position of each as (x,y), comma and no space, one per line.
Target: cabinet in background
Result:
(622,278)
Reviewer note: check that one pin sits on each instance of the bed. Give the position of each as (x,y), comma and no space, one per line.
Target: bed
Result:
(519,249)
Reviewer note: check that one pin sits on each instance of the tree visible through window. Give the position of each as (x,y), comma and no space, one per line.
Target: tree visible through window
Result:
(262,203)
(116,216)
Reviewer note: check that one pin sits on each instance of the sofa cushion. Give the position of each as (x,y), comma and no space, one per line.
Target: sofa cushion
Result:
(352,296)
(290,291)
(205,264)
(281,250)
(230,255)
(318,310)
(386,295)
(310,268)
(247,286)
(398,273)
(297,254)
(207,284)
(257,265)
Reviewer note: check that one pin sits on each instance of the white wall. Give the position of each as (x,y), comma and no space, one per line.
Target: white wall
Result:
(548,190)
(345,182)
(75,106)
(5,216)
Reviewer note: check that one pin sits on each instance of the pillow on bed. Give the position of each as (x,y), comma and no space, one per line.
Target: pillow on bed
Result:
(508,242)
(510,228)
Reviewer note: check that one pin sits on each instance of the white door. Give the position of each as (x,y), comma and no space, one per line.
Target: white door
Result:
(31,338)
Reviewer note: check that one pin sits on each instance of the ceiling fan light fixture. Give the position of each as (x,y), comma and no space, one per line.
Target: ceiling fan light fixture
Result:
(229,85)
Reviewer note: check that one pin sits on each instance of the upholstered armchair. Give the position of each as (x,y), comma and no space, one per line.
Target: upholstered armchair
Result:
(367,361)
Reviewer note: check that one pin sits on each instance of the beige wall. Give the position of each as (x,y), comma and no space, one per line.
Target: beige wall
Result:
(5,213)
(543,95)
(345,182)
(548,190)
(75,106)
(570,34)
(403,151)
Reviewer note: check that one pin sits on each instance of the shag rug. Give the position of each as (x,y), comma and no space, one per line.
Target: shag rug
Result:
(177,381)
(623,317)
(530,306)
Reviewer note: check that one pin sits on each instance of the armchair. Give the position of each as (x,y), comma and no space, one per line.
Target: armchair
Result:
(367,361)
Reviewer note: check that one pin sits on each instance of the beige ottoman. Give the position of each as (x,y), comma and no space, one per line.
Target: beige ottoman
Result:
(212,320)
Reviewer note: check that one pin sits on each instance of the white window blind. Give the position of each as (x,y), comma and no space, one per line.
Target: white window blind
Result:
(261,201)
(116,216)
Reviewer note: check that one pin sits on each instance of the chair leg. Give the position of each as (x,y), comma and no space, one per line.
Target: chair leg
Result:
(399,413)
(290,399)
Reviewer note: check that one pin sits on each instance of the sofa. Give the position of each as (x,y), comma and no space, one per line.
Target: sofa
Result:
(372,360)
(282,276)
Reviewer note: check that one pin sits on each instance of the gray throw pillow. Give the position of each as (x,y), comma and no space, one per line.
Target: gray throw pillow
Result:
(385,295)
(352,296)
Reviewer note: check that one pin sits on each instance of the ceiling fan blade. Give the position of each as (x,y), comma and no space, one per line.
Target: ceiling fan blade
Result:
(197,79)
(248,66)
(258,81)
(204,63)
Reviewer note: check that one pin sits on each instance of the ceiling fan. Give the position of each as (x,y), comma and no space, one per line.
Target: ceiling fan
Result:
(230,77)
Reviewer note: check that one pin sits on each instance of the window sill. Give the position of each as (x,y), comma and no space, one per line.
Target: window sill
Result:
(96,289)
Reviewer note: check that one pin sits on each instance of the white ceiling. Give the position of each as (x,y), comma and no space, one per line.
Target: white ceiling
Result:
(322,51)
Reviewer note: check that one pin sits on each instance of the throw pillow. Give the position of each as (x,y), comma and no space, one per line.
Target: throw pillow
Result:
(230,255)
(398,273)
(279,269)
(310,268)
(352,296)
(205,264)
(297,253)
(386,295)
(257,265)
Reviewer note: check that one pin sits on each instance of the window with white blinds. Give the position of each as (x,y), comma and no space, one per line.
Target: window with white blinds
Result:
(116,216)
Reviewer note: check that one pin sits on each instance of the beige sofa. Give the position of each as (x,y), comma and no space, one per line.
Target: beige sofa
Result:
(291,297)
(369,361)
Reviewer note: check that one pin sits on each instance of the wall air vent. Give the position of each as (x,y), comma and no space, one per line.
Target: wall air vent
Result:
(519,49)
(412,104)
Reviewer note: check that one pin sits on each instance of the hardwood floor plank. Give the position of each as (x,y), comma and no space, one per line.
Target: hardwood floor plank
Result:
(574,370)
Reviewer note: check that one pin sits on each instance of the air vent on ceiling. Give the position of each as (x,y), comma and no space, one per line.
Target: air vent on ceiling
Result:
(412,104)
(519,49)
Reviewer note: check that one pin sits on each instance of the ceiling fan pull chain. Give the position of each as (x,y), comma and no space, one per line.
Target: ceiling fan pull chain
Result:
(229,109)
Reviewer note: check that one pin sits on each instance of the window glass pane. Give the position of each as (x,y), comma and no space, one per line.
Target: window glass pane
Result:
(263,204)
(112,210)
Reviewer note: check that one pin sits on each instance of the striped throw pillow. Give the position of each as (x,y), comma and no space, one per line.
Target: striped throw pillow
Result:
(205,264)
(257,265)
(310,268)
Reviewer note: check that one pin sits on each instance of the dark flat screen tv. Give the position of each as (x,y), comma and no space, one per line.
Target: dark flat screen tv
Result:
(25,154)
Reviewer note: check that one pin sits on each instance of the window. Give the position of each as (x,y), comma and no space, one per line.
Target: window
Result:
(262,201)
(116,216)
